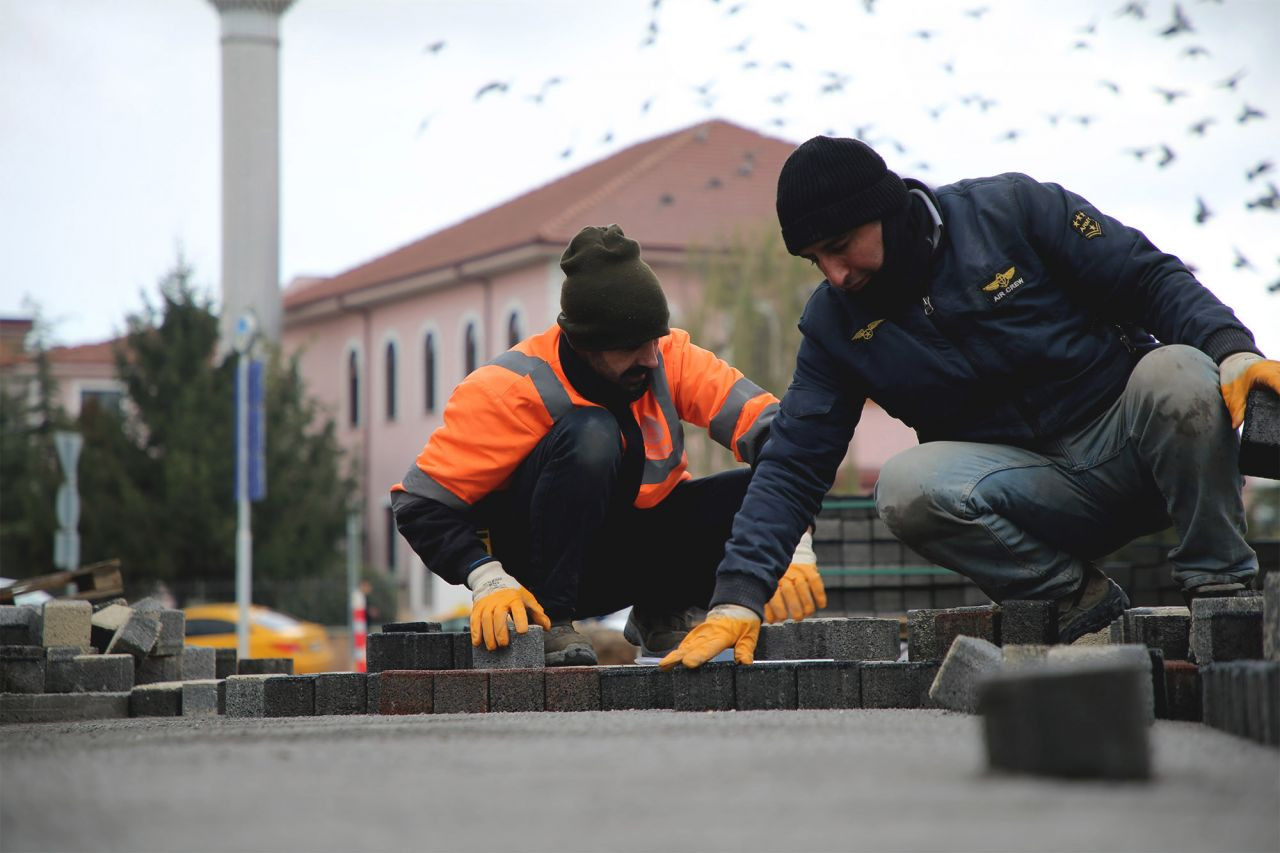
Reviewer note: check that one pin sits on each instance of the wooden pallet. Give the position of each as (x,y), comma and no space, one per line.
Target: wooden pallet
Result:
(90,583)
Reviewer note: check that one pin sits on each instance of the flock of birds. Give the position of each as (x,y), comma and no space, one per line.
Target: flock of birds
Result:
(747,56)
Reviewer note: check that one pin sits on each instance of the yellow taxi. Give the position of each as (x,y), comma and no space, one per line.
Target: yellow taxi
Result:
(271,635)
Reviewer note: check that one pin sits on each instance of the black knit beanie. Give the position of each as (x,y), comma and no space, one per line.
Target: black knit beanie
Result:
(610,298)
(829,186)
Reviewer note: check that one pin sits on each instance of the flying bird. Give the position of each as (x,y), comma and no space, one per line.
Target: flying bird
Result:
(1113,87)
(1180,23)
(434,47)
(1260,169)
(1249,112)
(1202,211)
(977,13)
(494,86)
(1241,262)
(1166,156)
(1134,8)
(1270,201)
(1195,51)
(1139,154)
(1170,95)
(1201,126)
(1232,81)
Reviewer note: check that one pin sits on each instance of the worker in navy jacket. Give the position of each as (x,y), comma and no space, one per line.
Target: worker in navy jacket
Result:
(1072,388)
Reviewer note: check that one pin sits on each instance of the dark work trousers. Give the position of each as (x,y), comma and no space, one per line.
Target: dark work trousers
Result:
(561,529)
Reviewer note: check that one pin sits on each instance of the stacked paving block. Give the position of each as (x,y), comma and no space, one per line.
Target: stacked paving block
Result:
(897,684)
(1135,657)
(634,688)
(968,662)
(1225,629)
(1028,623)
(1243,698)
(409,650)
(264,666)
(710,687)
(766,687)
(829,684)
(461,691)
(523,651)
(515,690)
(931,632)
(340,693)
(573,688)
(1271,616)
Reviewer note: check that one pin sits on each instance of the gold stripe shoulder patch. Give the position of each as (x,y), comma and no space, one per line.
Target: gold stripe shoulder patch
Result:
(1085,225)
(866,332)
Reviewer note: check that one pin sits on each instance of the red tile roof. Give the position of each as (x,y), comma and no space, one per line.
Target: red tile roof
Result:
(99,353)
(687,188)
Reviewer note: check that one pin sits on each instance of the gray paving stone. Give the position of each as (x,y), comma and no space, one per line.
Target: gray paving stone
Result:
(1182,687)
(19,625)
(226,663)
(1243,699)
(1165,628)
(779,641)
(968,662)
(411,628)
(200,697)
(930,632)
(1028,622)
(340,693)
(65,623)
(1024,654)
(1259,454)
(462,649)
(137,636)
(852,638)
(1118,631)
(514,690)
(709,687)
(1271,616)
(289,696)
(406,691)
(62,707)
(245,695)
(523,651)
(89,674)
(897,684)
(22,669)
(153,669)
(173,632)
(373,691)
(1131,655)
(163,699)
(265,666)
(828,684)
(573,688)
(1083,719)
(628,688)
(462,691)
(105,621)
(1225,629)
(766,686)
(403,650)
(199,663)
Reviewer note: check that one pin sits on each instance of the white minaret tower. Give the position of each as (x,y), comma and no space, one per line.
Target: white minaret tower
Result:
(250,165)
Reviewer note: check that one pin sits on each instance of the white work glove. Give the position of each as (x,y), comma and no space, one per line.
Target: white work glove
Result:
(495,596)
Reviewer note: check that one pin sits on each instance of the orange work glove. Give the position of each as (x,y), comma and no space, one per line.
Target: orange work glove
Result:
(1241,373)
(495,596)
(727,626)
(800,591)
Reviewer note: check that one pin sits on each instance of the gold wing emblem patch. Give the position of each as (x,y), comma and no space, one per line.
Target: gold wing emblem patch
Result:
(866,332)
(1002,280)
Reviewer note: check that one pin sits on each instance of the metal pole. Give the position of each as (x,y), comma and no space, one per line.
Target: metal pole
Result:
(244,536)
(356,620)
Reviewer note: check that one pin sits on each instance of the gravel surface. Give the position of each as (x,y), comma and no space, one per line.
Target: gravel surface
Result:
(630,781)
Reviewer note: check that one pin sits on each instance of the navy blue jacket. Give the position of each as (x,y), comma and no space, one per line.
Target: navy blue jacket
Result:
(1032,320)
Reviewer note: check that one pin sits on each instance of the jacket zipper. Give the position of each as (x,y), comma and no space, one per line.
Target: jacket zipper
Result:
(928,305)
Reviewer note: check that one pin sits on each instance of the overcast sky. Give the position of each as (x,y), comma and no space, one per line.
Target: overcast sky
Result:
(109,120)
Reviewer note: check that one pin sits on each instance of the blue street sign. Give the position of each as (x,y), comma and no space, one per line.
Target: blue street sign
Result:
(257,438)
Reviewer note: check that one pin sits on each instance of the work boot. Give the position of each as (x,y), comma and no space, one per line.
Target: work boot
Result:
(1097,603)
(564,646)
(1226,589)
(658,632)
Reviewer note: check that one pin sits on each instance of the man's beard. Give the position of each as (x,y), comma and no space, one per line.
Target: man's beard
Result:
(635,381)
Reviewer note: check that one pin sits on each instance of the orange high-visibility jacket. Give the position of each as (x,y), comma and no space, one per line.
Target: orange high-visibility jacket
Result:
(500,412)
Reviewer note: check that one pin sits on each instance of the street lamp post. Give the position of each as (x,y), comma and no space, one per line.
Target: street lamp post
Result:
(245,336)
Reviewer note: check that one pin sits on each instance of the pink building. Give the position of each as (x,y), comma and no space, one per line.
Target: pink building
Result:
(384,343)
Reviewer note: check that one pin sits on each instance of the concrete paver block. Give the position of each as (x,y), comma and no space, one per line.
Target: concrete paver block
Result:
(523,651)
(1165,628)
(1271,616)
(225,663)
(404,650)
(573,688)
(105,621)
(173,632)
(19,625)
(339,693)
(1182,689)
(779,641)
(372,691)
(289,696)
(766,686)
(709,687)
(515,690)
(163,699)
(154,669)
(897,684)
(462,649)
(1260,435)
(200,697)
(1225,629)
(405,691)
(411,628)
(462,691)
(245,696)
(1028,622)
(65,622)
(1081,719)
(828,684)
(265,666)
(1243,699)
(22,669)
(137,636)
(969,660)
(199,663)
(1024,654)
(1131,655)
(930,632)
(628,688)
(62,707)
(852,638)
(89,674)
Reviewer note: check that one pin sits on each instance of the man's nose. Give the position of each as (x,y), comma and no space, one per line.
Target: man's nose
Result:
(834,268)
(649,354)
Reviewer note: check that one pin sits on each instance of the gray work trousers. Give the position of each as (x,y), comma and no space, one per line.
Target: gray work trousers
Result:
(1022,524)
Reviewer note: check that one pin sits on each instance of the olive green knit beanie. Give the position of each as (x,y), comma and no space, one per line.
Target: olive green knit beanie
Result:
(610,299)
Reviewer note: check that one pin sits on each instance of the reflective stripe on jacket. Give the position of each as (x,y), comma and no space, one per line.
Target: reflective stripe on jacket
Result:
(499,413)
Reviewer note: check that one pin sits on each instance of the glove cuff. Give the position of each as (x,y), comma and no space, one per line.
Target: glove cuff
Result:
(1228,341)
(733,611)
(1234,366)
(804,551)
(490,577)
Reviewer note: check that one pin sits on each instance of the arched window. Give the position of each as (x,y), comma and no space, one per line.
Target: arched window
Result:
(513,329)
(391,381)
(353,389)
(470,355)
(429,372)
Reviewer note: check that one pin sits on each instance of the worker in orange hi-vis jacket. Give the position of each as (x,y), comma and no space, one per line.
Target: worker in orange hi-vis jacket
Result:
(568,449)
